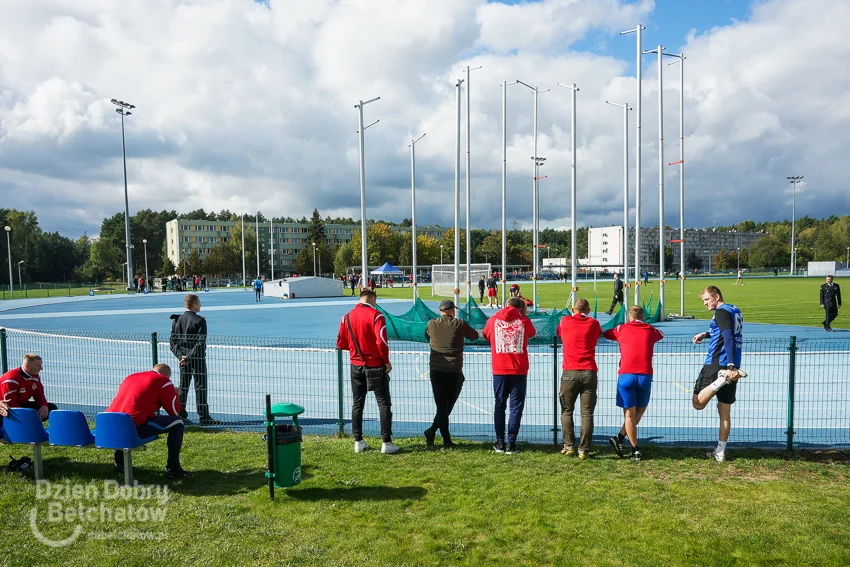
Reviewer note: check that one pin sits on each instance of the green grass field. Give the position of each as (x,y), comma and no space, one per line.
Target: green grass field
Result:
(429,508)
(783,300)
(36,291)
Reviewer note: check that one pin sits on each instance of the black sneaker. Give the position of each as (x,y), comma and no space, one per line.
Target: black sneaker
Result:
(635,456)
(208,421)
(511,450)
(174,474)
(449,446)
(618,446)
(429,437)
(499,447)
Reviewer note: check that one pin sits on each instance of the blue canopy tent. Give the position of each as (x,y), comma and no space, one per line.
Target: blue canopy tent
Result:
(387,270)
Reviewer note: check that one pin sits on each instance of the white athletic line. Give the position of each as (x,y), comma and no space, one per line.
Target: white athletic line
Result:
(485,412)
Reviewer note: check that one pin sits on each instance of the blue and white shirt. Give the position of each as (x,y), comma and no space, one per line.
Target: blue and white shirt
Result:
(727,338)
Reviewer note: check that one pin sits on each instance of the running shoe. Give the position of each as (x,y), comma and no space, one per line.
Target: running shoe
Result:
(512,449)
(567,452)
(617,445)
(499,447)
(719,457)
(635,456)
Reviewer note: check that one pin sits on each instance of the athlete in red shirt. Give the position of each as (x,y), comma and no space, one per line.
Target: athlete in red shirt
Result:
(579,333)
(634,384)
(21,387)
(141,395)
(363,333)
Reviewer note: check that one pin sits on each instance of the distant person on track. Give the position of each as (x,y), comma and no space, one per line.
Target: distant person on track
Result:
(446,336)
(508,332)
(363,333)
(721,370)
(634,382)
(618,294)
(258,289)
(830,301)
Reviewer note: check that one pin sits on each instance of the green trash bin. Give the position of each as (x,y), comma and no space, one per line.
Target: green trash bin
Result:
(284,445)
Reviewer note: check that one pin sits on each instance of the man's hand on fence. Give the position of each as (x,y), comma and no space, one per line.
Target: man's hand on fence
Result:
(183,361)
(699,337)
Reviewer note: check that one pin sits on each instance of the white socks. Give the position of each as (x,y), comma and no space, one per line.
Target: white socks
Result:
(720,382)
(721,447)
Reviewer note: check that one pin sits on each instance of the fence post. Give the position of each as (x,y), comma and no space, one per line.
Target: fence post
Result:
(555,384)
(792,371)
(4,359)
(340,419)
(154,354)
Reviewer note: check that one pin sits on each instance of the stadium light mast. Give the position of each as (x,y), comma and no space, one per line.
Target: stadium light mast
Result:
(626,109)
(794,179)
(535,220)
(457,198)
(661,242)
(257,229)
(20,284)
(364,264)
(314,259)
(147,282)
(244,275)
(680,59)
(637,31)
(413,212)
(124,110)
(504,186)
(9,249)
(468,188)
(271,237)
(573,250)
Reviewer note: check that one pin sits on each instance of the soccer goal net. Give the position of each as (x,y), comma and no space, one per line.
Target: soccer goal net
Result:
(443,279)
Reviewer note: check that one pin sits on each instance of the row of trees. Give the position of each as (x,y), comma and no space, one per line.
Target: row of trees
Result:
(49,256)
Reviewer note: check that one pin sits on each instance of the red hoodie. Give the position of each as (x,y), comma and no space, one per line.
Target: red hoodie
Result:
(508,332)
(370,328)
(579,333)
(637,340)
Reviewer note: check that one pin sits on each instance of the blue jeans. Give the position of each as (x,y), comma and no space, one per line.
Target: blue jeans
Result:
(505,385)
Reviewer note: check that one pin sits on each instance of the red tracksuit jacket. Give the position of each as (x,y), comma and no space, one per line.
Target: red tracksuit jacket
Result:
(142,394)
(17,387)
(508,333)
(370,328)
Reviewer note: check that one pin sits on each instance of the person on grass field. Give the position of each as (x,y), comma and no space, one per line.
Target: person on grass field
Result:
(491,291)
(481,285)
(508,332)
(740,278)
(446,336)
(618,294)
(579,334)
(363,333)
(830,301)
(634,383)
(141,395)
(721,370)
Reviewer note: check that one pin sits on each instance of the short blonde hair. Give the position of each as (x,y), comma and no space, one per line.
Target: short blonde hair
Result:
(31,358)
(636,313)
(190,300)
(162,369)
(581,306)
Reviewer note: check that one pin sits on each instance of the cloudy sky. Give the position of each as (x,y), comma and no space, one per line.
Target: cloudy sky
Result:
(250,106)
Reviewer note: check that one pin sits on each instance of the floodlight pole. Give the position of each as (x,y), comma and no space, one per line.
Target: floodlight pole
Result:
(661,244)
(314,259)
(364,264)
(244,275)
(573,250)
(147,282)
(257,229)
(680,59)
(504,186)
(637,31)
(413,211)
(626,109)
(20,284)
(794,179)
(9,249)
(124,110)
(457,198)
(271,237)
(468,188)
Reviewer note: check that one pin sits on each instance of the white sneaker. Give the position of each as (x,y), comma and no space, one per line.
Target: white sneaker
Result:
(719,457)
(741,374)
(360,446)
(389,448)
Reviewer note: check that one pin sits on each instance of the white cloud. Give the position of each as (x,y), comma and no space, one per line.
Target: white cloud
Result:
(245,107)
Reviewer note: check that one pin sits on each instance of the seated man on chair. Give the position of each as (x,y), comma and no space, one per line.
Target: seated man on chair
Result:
(141,395)
(21,387)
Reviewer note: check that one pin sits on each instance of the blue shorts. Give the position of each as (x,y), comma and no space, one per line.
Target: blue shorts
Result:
(633,390)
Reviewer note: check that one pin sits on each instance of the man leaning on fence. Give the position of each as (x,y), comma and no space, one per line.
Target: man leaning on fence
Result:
(721,370)
(189,344)
(141,395)
(446,336)
(22,388)
(363,333)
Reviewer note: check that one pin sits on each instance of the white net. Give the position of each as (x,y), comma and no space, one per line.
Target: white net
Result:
(443,279)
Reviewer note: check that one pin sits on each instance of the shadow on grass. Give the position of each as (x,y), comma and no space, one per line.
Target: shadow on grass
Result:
(358,493)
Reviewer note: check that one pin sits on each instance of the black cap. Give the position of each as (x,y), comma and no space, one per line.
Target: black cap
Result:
(447,304)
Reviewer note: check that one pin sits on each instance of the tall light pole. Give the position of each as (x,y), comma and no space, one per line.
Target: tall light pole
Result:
(535,220)
(504,185)
(314,259)
(20,284)
(573,267)
(413,211)
(626,109)
(147,283)
(637,31)
(794,179)
(271,237)
(457,197)
(244,275)
(661,242)
(363,254)
(680,59)
(848,256)
(739,258)
(441,254)
(468,189)
(9,249)
(708,253)
(124,110)
(257,230)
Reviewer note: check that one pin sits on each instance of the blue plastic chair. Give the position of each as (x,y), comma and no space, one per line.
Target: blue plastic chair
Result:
(69,429)
(116,431)
(23,426)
